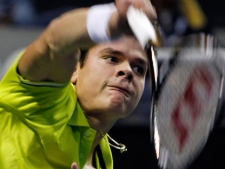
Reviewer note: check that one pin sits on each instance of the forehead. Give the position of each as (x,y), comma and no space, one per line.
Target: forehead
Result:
(127,45)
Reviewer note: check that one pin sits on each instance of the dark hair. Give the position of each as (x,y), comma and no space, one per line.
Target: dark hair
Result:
(83,56)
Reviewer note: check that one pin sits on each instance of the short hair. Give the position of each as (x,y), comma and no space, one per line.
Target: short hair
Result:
(83,56)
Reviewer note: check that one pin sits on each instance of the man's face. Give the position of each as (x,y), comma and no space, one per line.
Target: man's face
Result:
(112,78)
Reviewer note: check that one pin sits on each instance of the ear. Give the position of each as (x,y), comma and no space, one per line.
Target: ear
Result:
(74,76)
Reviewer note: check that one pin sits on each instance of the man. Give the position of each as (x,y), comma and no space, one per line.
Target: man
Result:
(57,105)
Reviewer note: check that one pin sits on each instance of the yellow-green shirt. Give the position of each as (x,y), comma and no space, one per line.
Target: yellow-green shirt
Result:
(42,126)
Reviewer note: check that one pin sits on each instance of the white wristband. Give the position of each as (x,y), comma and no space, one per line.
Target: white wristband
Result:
(97,22)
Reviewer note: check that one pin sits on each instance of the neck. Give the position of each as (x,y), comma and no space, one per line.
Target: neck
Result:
(102,126)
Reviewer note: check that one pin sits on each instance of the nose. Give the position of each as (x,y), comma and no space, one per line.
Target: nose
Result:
(125,71)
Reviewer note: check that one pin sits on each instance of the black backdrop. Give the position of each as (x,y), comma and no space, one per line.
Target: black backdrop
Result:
(140,154)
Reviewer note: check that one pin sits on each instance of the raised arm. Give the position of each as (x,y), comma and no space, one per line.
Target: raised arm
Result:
(54,54)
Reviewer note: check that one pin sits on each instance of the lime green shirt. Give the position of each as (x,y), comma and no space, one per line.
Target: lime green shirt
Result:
(43,126)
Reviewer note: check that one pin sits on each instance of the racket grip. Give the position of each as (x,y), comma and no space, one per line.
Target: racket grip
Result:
(145,31)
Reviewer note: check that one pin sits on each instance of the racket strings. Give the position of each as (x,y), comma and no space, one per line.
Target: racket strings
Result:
(186,107)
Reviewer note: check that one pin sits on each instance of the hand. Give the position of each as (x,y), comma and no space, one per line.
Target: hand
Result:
(74,165)
(118,22)
(144,5)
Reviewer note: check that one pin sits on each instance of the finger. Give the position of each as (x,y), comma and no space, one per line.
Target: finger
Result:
(144,5)
(122,6)
(74,165)
(149,10)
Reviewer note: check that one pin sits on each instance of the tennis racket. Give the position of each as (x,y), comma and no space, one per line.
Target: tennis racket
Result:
(186,94)
(186,100)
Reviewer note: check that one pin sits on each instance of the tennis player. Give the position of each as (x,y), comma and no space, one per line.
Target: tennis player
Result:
(57,102)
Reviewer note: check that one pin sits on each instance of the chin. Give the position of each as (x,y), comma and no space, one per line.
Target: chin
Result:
(118,108)
(120,112)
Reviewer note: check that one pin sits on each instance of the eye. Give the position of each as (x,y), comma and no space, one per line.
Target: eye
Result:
(139,70)
(112,59)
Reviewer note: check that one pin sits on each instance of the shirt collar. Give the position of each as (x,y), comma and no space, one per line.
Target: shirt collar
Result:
(78,118)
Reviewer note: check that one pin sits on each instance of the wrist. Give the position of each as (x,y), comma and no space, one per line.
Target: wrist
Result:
(113,29)
(101,21)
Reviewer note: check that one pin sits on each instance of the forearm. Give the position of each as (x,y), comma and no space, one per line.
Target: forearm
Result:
(68,33)
(57,48)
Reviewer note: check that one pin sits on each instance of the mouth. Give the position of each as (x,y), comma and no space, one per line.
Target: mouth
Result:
(121,89)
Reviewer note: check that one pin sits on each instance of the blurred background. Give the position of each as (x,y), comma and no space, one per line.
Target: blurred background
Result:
(22,21)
